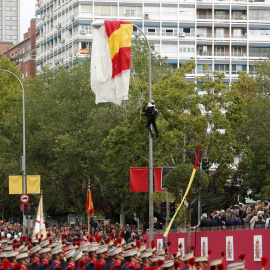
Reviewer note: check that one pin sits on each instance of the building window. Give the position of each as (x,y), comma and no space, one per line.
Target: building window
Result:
(0,27)
(237,51)
(220,33)
(237,68)
(220,51)
(8,37)
(223,68)
(7,18)
(14,18)
(130,13)
(14,37)
(7,27)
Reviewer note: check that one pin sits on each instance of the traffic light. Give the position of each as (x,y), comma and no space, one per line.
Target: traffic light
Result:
(172,209)
(26,209)
(205,164)
(163,209)
(138,210)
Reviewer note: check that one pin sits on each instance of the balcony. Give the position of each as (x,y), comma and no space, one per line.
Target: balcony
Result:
(221,17)
(204,53)
(204,17)
(221,54)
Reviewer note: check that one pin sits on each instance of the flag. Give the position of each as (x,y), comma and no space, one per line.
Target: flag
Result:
(33,184)
(40,227)
(186,193)
(138,179)
(15,184)
(89,208)
(110,61)
(157,177)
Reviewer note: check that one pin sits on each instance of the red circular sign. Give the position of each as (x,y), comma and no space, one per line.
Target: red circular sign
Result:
(24,198)
(22,207)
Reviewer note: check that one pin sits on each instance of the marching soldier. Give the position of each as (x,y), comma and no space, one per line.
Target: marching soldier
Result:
(77,256)
(102,254)
(84,248)
(214,263)
(116,258)
(11,256)
(70,260)
(34,253)
(201,262)
(57,254)
(147,260)
(129,259)
(187,261)
(90,265)
(168,265)
(24,260)
(46,256)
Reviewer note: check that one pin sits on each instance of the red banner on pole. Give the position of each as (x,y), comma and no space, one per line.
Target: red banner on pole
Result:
(158,177)
(138,179)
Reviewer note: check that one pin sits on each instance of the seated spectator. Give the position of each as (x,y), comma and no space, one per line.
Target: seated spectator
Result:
(254,218)
(260,222)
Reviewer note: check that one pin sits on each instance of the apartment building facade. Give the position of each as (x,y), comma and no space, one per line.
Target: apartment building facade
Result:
(10,21)
(24,53)
(219,35)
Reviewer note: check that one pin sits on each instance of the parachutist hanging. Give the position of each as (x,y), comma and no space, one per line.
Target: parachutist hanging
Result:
(151,113)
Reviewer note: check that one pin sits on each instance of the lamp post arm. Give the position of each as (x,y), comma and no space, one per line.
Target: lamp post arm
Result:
(23,112)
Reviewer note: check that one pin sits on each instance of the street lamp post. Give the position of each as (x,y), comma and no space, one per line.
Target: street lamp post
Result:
(23,158)
(97,24)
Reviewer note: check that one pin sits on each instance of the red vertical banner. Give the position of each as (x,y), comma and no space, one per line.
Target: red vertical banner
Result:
(138,179)
(158,177)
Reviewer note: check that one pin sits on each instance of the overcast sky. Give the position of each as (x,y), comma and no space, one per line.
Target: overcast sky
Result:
(27,12)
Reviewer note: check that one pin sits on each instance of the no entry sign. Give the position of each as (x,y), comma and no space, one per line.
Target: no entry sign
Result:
(24,198)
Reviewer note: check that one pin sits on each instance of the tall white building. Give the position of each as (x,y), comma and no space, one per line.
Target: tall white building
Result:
(227,35)
(9,21)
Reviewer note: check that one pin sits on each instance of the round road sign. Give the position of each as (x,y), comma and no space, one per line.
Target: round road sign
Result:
(24,198)
(22,207)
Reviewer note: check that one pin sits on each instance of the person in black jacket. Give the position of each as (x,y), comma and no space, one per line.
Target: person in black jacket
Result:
(151,113)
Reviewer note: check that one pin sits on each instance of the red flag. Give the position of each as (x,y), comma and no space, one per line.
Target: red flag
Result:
(89,208)
(157,177)
(138,179)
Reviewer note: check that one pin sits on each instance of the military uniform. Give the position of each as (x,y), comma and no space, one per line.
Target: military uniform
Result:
(34,263)
(44,265)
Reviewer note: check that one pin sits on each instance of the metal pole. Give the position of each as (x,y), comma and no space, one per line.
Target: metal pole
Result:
(88,216)
(97,24)
(151,177)
(23,158)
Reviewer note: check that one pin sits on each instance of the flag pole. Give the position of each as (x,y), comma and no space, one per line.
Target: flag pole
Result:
(98,24)
(88,216)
